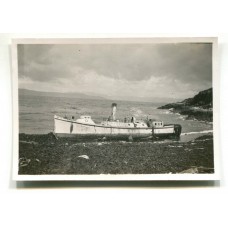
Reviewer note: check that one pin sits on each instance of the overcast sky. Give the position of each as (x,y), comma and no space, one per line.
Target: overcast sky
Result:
(164,71)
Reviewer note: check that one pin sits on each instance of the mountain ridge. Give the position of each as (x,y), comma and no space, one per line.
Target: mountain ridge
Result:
(58,94)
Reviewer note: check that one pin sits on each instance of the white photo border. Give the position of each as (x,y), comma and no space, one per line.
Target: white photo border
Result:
(117,177)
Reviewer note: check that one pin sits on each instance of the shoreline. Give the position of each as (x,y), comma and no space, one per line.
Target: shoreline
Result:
(183,134)
(44,154)
(185,117)
(190,113)
(199,107)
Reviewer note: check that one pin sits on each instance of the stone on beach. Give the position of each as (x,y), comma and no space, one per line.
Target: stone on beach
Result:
(84,156)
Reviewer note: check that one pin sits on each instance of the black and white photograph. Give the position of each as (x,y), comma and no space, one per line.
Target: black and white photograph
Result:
(113,113)
(115,109)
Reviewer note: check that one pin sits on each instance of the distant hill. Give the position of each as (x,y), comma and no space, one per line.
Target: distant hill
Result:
(203,99)
(198,107)
(155,100)
(26,92)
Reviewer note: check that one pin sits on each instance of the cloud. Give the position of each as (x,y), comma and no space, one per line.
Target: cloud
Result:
(125,69)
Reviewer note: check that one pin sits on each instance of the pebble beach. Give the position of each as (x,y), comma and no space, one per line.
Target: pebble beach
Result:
(46,154)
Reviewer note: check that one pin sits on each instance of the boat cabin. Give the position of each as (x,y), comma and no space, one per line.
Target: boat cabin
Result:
(157,124)
(85,120)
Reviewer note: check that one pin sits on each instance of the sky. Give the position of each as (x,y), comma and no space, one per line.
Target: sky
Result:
(146,71)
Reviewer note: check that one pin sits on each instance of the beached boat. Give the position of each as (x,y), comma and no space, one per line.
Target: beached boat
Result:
(85,126)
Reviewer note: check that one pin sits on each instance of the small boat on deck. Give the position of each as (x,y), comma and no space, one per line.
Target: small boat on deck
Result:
(86,127)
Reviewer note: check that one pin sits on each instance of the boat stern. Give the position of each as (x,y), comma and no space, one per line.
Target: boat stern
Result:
(177,130)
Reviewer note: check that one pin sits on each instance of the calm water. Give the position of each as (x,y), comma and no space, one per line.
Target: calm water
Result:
(36,113)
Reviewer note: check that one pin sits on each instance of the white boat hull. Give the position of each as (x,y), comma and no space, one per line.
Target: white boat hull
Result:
(70,128)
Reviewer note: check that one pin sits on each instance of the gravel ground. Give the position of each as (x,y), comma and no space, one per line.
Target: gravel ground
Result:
(44,154)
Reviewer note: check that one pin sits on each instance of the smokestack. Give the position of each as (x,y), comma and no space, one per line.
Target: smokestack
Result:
(114,106)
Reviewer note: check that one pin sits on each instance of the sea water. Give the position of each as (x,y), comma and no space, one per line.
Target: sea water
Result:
(36,113)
